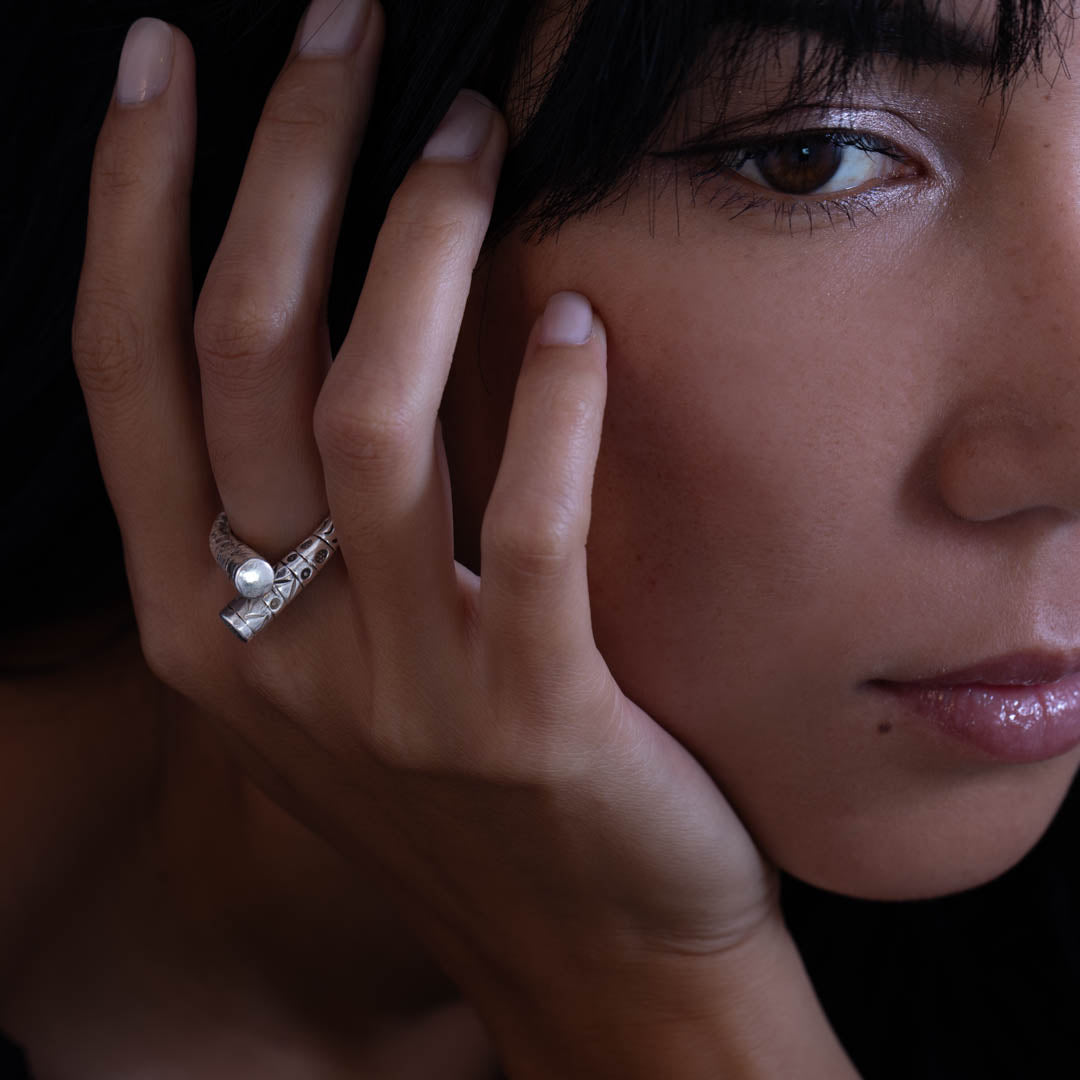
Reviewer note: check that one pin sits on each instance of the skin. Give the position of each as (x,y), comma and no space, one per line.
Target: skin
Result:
(520,769)
(829,457)
(469,792)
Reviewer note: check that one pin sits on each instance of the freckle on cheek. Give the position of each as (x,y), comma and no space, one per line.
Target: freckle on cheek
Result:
(884,729)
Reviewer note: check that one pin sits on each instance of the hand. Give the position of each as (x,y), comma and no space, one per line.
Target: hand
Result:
(544,835)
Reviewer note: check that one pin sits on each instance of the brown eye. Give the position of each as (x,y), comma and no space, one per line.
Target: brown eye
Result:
(801,166)
(823,162)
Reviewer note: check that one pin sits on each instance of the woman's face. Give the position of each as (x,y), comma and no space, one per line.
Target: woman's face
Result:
(833,454)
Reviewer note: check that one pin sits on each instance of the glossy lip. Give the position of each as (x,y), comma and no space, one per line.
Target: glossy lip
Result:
(1019,708)
(1031,667)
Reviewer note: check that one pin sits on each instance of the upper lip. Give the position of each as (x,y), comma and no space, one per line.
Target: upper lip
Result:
(1030,667)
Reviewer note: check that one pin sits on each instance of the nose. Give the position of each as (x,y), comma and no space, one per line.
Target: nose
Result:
(998,462)
(1010,442)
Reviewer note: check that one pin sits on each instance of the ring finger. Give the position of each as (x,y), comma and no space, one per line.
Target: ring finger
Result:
(260,325)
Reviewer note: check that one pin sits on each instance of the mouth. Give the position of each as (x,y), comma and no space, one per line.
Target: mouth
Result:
(1019,708)
(1031,667)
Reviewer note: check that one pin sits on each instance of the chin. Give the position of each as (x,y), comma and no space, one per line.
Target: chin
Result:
(906,880)
(925,853)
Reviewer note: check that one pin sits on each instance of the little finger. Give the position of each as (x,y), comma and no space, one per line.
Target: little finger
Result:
(131,335)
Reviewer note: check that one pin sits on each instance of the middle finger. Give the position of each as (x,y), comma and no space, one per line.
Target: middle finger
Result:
(260,325)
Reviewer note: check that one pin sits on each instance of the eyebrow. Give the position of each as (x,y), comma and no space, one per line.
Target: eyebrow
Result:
(910,34)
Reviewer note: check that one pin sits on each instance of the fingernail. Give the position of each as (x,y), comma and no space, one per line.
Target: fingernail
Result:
(333,27)
(568,320)
(146,62)
(464,130)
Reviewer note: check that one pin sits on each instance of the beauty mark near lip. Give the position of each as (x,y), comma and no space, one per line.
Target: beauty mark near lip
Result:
(1016,723)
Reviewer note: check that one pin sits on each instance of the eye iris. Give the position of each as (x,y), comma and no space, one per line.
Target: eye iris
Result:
(801,166)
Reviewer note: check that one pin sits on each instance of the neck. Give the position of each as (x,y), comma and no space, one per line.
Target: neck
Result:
(142,842)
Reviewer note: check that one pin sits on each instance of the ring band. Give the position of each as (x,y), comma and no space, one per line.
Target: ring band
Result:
(247,616)
(249,572)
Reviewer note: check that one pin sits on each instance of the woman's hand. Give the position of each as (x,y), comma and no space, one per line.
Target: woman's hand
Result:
(566,859)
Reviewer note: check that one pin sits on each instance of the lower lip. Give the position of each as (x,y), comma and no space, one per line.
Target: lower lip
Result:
(1017,724)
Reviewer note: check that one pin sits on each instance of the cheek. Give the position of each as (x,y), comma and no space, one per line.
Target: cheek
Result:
(753,561)
(750,442)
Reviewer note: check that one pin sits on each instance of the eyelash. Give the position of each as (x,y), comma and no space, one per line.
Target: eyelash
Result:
(722,160)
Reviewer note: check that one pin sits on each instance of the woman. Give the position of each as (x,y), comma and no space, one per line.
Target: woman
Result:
(438,816)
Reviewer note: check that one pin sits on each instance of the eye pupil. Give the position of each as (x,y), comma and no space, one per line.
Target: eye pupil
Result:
(800,167)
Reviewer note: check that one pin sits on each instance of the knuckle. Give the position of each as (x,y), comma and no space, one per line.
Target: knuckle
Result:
(532,542)
(442,226)
(574,403)
(395,747)
(366,440)
(176,650)
(119,165)
(167,651)
(294,112)
(443,237)
(107,343)
(238,334)
(394,731)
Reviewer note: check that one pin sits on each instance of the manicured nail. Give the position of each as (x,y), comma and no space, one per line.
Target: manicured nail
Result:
(568,320)
(333,27)
(146,62)
(465,129)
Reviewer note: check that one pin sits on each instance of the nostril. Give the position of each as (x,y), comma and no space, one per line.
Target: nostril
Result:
(990,468)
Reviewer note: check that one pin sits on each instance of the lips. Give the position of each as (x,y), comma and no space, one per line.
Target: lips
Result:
(1019,708)
(1033,667)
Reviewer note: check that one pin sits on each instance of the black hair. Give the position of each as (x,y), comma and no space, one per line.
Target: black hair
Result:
(624,66)
(979,985)
(596,100)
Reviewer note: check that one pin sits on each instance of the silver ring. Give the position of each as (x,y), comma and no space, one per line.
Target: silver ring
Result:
(247,616)
(249,572)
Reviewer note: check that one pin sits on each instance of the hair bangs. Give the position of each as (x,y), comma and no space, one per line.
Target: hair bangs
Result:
(600,89)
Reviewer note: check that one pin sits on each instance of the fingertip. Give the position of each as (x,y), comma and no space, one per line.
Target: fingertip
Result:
(568,320)
(146,62)
(465,130)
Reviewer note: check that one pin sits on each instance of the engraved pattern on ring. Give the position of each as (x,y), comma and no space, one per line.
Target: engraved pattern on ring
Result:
(236,624)
(304,570)
(315,550)
(328,533)
(247,617)
(286,584)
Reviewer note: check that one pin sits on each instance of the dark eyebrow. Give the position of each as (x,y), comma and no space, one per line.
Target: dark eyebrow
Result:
(936,43)
(910,33)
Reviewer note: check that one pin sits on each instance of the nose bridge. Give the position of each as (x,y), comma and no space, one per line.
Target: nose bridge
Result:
(1012,443)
